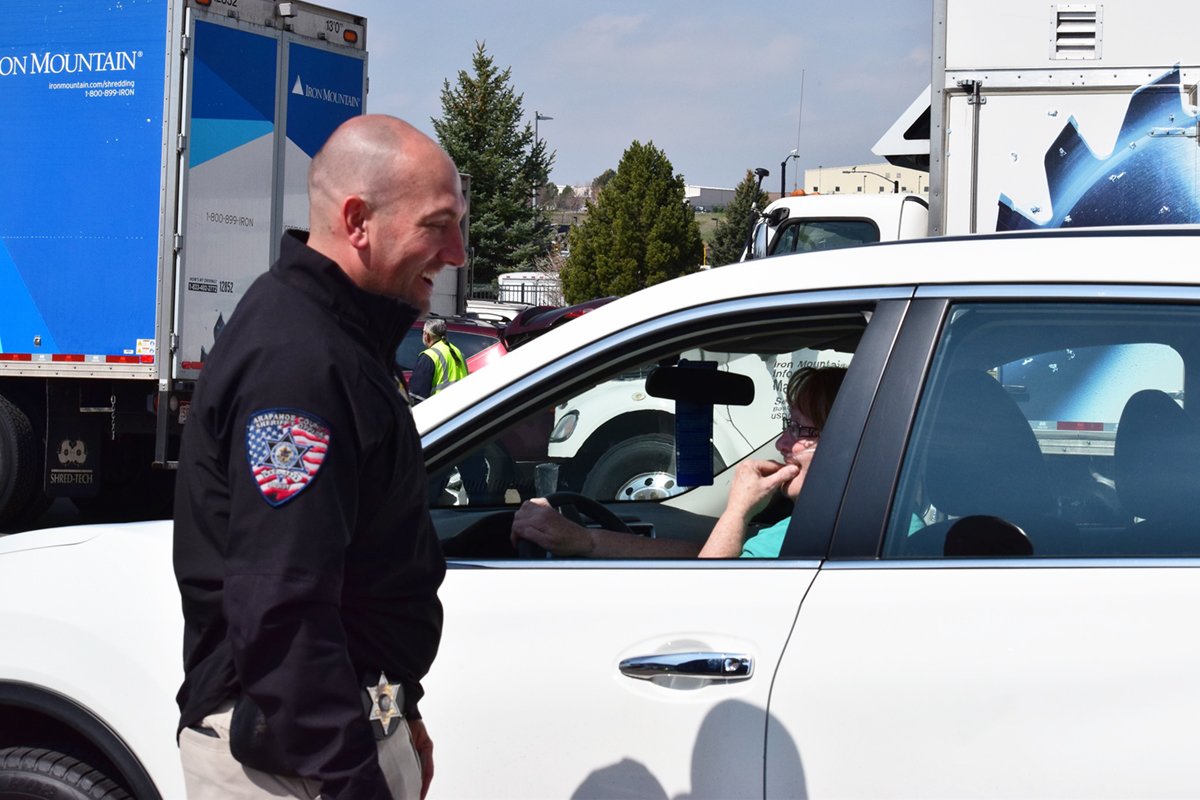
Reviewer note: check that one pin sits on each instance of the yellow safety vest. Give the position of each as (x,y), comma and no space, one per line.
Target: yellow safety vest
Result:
(448,364)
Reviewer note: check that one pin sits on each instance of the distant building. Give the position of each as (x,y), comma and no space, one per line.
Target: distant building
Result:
(865,179)
(701,198)
(706,198)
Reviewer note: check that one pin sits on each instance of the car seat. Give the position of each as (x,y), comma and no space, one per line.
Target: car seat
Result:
(982,459)
(1157,472)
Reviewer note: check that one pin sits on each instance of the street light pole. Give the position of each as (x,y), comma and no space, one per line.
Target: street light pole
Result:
(857,171)
(783,172)
(537,117)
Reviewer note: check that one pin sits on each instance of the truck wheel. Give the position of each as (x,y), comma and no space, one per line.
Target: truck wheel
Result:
(640,468)
(20,471)
(29,774)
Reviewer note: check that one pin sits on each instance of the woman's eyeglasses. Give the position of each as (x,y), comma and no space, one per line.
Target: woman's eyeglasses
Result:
(802,431)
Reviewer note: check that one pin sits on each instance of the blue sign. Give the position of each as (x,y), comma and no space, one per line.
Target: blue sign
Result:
(324,90)
(81,86)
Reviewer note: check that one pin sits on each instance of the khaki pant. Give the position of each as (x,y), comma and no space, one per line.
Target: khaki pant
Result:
(211,773)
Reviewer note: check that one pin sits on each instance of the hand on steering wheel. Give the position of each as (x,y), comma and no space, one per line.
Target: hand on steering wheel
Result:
(575,507)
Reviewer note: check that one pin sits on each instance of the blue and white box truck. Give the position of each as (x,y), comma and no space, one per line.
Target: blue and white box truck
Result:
(151,154)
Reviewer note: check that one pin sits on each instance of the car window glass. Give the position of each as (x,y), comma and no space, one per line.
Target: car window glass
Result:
(802,236)
(1054,430)
(410,347)
(615,442)
(470,343)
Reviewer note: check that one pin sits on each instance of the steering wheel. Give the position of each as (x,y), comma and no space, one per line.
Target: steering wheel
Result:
(575,507)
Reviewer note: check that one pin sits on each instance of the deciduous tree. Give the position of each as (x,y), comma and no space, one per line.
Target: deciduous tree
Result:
(601,181)
(568,200)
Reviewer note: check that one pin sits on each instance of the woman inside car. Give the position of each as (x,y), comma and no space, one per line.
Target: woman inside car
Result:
(810,394)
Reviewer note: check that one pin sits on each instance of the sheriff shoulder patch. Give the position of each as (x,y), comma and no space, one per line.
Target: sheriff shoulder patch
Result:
(286,449)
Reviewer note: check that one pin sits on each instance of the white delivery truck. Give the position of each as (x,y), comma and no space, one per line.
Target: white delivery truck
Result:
(1056,115)
(811,222)
(1038,115)
(151,156)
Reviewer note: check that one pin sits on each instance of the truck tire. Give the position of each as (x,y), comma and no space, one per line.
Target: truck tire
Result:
(638,468)
(33,773)
(20,470)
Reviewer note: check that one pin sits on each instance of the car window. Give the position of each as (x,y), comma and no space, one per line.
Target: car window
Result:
(802,236)
(412,345)
(470,343)
(615,441)
(1054,430)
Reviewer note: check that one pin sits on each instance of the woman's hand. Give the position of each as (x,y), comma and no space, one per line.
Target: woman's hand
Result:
(753,484)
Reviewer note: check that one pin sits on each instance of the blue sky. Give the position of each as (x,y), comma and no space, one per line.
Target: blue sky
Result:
(716,85)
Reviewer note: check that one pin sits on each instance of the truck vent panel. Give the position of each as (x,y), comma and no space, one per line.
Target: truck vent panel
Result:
(1077,30)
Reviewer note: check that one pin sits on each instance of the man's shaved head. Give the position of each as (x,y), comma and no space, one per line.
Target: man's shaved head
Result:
(363,157)
(384,204)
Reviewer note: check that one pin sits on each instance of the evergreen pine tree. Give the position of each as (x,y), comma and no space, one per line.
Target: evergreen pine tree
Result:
(637,233)
(730,238)
(482,131)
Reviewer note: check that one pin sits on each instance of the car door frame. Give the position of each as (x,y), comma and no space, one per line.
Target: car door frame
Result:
(857,577)
(684,582)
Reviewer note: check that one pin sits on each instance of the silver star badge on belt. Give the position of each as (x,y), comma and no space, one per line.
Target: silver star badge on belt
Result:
(384,707)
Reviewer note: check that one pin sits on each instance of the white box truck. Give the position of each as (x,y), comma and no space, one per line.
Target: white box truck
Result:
(1049,115)
(1038,115)
(151,155)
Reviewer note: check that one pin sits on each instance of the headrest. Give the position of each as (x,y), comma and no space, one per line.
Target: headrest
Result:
(983,457)
(1157,457)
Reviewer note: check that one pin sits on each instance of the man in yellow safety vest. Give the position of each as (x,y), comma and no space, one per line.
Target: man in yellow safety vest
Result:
(439,364)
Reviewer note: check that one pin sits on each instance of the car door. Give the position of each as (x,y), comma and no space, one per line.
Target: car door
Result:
(1014,571)
(534,693)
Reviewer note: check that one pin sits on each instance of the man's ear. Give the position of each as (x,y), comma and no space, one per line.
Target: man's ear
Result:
(355,213)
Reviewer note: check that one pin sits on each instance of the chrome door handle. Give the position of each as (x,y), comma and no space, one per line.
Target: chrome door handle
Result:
(726,667)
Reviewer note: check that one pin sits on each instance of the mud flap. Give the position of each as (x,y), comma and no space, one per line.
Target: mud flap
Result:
(74,443)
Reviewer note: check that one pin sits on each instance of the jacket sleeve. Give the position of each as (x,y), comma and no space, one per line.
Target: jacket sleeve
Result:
(283,587)
(420,385)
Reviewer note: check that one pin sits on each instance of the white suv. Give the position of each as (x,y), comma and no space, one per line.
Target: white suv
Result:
(984,590)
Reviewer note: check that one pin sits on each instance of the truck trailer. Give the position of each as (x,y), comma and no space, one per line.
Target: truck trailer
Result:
(153,152)
(1056,115)
(1038,115)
